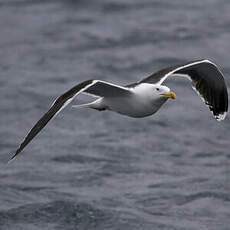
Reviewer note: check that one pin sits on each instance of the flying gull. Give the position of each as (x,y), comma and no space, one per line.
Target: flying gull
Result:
(144,97)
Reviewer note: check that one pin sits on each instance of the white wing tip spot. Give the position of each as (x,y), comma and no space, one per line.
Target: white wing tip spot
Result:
(221,117)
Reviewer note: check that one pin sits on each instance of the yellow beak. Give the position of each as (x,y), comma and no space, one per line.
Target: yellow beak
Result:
(169,94)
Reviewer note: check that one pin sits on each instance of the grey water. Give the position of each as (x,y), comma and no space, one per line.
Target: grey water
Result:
(100,170)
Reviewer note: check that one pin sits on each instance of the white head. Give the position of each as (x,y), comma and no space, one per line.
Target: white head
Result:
(155,91)
(163,91)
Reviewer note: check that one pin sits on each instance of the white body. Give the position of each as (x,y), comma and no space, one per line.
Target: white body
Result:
(144,101)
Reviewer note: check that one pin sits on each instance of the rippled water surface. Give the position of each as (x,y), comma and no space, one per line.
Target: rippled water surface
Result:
(100,170)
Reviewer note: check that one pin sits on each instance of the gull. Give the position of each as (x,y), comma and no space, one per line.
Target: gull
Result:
(144,97)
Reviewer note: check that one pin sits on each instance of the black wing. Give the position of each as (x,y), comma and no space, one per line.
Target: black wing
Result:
(207,80)
(96,87)
(106,89)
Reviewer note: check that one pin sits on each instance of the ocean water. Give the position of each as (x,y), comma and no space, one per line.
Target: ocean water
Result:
(100,170)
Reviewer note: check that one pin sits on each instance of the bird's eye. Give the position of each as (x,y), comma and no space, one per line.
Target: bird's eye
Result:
(157,89)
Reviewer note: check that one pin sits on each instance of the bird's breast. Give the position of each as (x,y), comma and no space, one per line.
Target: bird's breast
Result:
(134,106)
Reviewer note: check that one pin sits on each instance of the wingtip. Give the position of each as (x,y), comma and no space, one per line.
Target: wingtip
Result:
(221,116)
(12,158)
(10,161)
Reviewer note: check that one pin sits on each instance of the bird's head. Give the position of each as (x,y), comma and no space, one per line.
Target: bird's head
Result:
(164,91)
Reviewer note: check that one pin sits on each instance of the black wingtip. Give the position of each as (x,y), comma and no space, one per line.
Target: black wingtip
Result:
(12,158)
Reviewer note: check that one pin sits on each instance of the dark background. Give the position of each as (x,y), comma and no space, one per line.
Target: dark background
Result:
(93,170)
